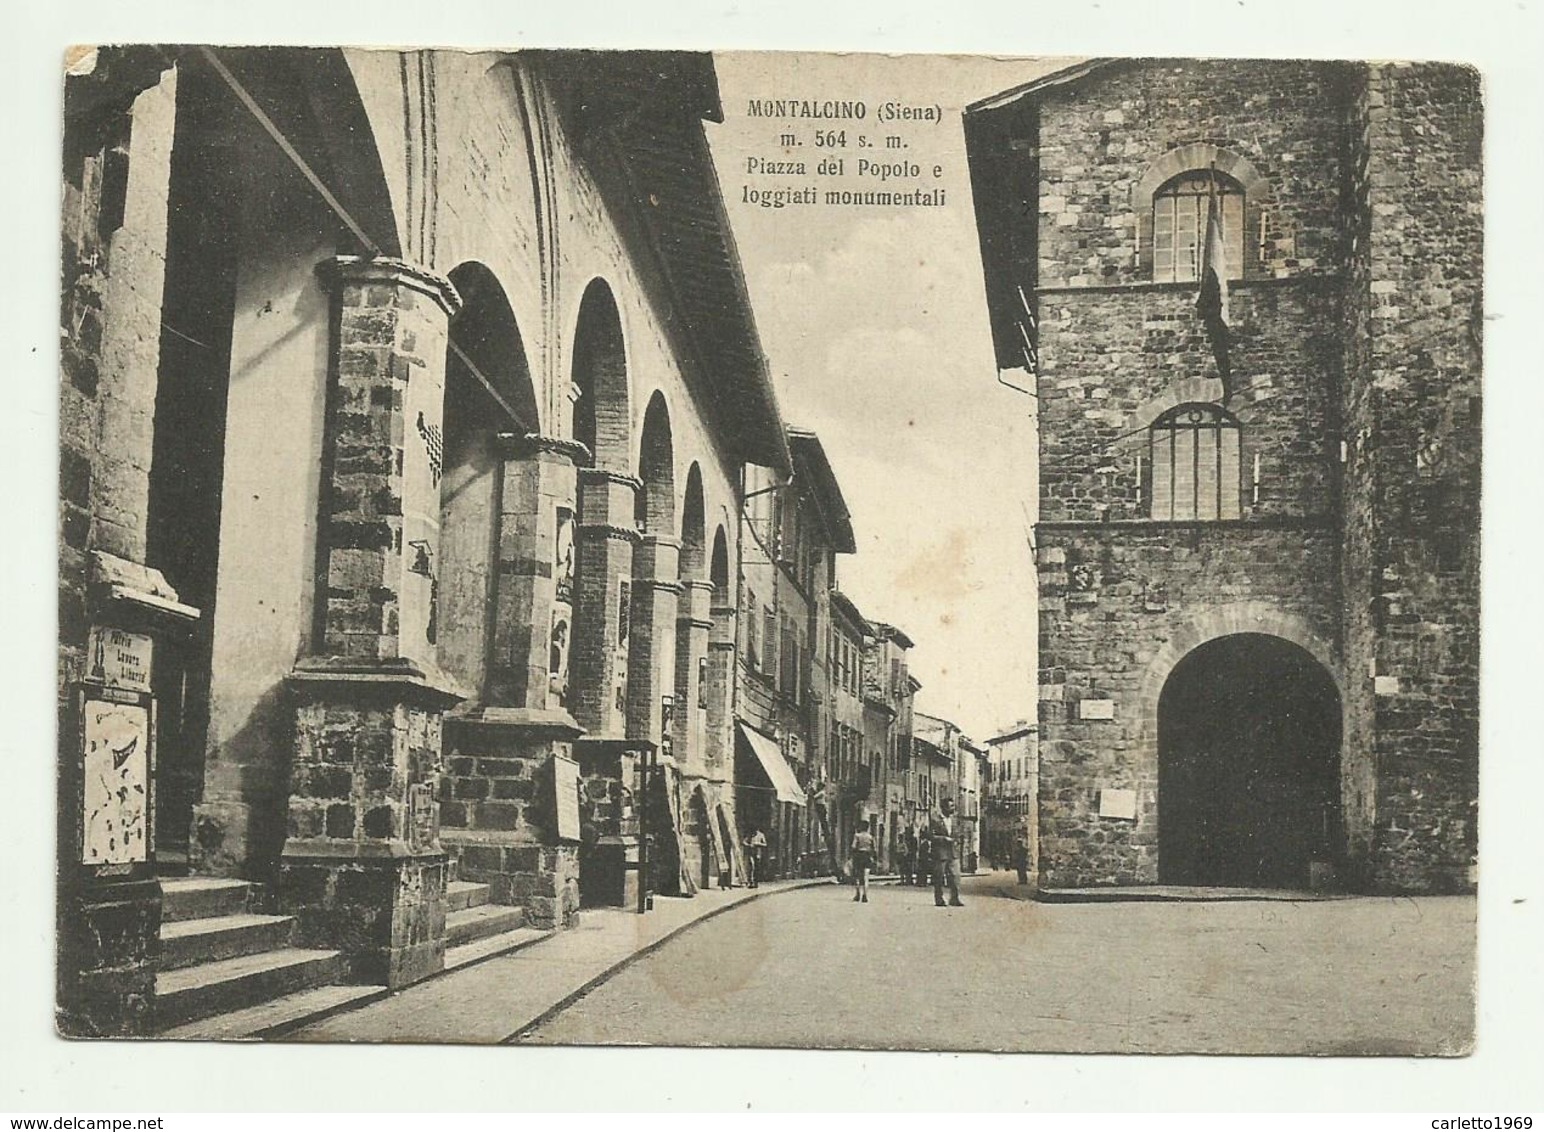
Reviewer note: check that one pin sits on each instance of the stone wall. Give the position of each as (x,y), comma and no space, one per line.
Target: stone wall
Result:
(1113,360)
(362,870)
(1123,598)
(1164,589)
(1413,425)
(1097,140)
(1356,359)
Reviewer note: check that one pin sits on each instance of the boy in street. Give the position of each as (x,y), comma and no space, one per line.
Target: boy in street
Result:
(862,858)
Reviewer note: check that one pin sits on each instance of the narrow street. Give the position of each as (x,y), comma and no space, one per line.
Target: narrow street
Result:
(810,968)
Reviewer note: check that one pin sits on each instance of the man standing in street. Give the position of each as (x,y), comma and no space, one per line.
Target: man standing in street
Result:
(945,867)
(1021,854)
(906,853)
(756,843)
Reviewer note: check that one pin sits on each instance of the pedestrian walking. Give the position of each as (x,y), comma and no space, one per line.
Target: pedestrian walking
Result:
(906,851)
(862,860)
(756,852)
(1021,854)
(945,869)
(924,858)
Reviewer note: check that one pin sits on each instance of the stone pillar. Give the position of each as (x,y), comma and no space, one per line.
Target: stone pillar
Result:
(497,796)
(719,743)
(537,574)
(114,612)
(362,869)
(693,625)
(598,665)
(651,659)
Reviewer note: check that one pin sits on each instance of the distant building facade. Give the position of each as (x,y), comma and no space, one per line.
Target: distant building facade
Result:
(795,526)
(945,765)
(1010,802)
(1257,537)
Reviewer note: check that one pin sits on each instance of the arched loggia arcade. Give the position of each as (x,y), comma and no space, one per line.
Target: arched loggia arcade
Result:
(504,614)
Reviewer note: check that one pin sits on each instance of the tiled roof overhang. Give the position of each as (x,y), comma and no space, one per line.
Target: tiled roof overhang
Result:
(813,468)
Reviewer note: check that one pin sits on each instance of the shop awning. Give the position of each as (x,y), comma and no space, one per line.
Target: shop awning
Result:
(778,772)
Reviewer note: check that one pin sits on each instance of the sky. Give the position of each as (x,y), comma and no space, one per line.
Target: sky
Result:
(875,327)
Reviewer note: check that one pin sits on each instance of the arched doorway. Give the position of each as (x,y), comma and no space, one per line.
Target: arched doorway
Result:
(1248,765)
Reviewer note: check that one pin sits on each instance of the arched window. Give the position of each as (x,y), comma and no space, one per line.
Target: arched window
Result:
(1179,225)
(1194,453)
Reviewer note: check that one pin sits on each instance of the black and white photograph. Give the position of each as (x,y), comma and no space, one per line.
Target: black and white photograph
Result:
(520,506)
(772,550)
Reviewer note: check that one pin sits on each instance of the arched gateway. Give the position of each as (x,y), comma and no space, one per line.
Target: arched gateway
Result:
(1249,729)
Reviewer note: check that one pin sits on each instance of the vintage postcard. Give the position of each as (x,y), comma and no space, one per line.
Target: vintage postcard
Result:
(648,547)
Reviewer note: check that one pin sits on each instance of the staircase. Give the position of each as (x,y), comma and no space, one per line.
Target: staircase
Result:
(476,929)
(227,972)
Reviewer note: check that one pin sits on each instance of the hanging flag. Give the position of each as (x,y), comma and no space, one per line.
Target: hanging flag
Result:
(1212,301)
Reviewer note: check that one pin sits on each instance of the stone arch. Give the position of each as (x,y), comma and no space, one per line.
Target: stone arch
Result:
(241,231)
(1187,390)
(343,124)
(487,333)
(602,414)
(1242,617)
(718,567)
(1197,155)
(693,534)
(485,345)
(655,509)
(1249,745)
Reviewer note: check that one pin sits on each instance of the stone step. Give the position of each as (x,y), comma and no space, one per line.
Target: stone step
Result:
(481,921)
(492,946)
(190,993)
(463,894)
(185,943)
(198,898)
(279,1016)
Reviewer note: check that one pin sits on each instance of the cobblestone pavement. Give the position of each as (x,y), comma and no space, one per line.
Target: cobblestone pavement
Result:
(810,968)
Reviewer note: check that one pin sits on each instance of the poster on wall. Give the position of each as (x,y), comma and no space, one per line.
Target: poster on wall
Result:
(115,802)
(561,635)
(557,659)
(563,556)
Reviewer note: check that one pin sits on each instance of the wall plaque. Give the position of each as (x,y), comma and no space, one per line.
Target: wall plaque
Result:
(1096,709)
(1120,804)
(565,782)
(120,659)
